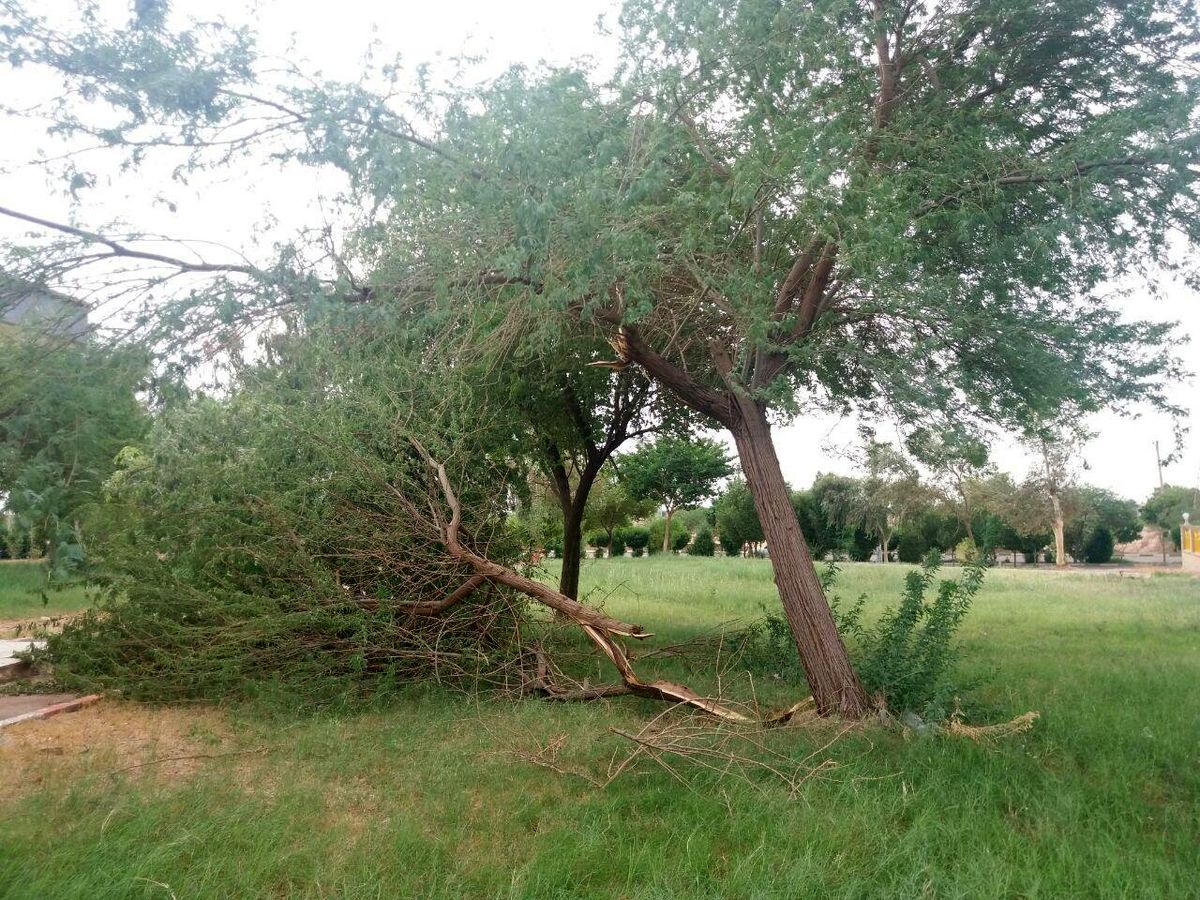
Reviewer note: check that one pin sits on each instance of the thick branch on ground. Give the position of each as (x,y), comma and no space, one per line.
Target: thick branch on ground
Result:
(599,628)
(434,607)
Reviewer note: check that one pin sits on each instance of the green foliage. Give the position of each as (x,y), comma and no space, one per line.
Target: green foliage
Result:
(966,552)
(598,540)
(636,538)
(1096,511)
(68,409)
(737,520)
(907,659)
(658,529)
(1099,547)
(729,544)
(675,473)
(702,544)
(268,542)
(1166,507)
(911,547)
(859,544)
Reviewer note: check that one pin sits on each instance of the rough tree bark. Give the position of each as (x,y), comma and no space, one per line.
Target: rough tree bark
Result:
(834,683)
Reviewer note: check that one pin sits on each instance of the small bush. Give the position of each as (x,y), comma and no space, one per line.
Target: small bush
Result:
(702,543)
(908,657)
(1099,547)
(966,552)
(636,538)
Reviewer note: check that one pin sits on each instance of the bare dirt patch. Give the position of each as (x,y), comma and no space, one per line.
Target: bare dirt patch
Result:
(33,626)
(128,739)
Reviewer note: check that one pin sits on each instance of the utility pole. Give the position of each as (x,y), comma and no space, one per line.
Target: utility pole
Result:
(1162,537)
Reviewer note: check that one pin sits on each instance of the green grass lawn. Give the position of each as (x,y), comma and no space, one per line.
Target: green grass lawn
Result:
(23,594)
(427,798)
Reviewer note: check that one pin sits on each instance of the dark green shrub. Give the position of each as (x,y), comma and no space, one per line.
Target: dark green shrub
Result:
(636,539)
(859,545)
(911,547)
(618,544)
(908,657)
(1099,547)
(728,544)
(702,543)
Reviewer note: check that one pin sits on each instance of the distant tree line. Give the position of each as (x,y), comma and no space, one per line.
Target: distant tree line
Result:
(892,505)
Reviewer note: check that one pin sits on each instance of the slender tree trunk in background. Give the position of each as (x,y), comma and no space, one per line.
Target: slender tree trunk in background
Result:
(666,547)
(1060,543)
(573,507)
(834,684)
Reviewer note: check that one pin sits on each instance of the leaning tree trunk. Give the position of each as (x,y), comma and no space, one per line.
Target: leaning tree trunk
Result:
(835,686)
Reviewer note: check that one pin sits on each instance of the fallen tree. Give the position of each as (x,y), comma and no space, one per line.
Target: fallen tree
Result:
(302,536)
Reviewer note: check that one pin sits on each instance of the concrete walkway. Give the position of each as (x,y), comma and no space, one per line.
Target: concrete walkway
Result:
(25,707)
(10,666)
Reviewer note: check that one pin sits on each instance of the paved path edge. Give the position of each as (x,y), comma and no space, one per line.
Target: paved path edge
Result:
(47,711)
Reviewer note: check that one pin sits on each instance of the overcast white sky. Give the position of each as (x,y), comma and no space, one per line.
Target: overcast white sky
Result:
(333,36)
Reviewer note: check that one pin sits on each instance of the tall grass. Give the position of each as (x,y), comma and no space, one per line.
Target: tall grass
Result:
(425,798)
(23,592)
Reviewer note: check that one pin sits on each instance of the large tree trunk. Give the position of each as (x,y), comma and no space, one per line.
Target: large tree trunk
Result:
(834,684)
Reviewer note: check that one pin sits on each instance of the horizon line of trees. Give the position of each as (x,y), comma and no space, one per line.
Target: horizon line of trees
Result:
(855,518)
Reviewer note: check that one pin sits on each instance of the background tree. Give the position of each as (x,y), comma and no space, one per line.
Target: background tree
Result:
(1166,506)
(610,508)
(67,409)
(1101,520)
(576,417)
(1058,447)
(674,473)
(1017,516)
(889,497)
(737,518)
(957,462)
(837,497)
